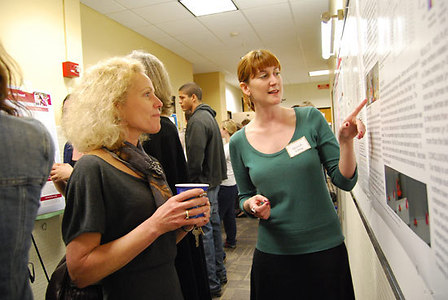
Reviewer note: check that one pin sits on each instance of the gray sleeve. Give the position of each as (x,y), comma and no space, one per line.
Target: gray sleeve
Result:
(85,209)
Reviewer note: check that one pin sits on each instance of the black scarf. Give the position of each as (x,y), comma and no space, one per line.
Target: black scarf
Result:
(136,159)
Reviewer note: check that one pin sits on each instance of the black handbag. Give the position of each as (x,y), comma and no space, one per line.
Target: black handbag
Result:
(61,287)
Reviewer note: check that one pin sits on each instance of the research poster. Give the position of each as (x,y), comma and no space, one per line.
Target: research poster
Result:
(395,54)
(38,105)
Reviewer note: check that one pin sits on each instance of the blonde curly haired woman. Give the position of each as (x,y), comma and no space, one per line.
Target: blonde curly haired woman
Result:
(121,223)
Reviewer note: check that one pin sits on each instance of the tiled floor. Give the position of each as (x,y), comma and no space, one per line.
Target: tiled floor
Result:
(239,260)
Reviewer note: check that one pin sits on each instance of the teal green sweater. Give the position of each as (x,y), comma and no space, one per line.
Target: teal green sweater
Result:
(303,218)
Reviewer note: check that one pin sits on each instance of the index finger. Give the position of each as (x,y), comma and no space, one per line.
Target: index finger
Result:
(358,109)
(360,106)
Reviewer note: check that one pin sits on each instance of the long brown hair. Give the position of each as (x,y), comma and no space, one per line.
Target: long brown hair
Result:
(9,75)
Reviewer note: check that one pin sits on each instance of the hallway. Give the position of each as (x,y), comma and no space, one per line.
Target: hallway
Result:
(239,260)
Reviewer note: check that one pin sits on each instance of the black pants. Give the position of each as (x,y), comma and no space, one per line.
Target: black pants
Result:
(320,275)
(226,203)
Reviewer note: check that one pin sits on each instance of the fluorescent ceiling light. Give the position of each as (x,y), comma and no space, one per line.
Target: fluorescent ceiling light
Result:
(327,39)
(319,73)
(208,7)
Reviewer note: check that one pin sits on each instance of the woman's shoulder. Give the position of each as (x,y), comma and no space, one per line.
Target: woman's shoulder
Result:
(238,136)
(90,161)
(306,111)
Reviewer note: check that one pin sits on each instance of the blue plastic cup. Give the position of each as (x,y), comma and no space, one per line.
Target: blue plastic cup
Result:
(182,187)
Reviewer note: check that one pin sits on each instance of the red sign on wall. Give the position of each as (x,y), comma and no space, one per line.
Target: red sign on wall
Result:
(70,69)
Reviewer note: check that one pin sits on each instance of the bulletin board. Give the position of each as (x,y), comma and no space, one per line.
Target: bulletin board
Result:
(395,54)
(39,106)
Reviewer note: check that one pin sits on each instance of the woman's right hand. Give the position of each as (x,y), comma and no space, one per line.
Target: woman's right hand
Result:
(61,172)
(259,206)
(173,213)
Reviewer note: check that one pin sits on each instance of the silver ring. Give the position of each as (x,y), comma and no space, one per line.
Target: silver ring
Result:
(187,214)
(253,210)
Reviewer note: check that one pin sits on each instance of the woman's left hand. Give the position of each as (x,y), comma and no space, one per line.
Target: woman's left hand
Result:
(352,126)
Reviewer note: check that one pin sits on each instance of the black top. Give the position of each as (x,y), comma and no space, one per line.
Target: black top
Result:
(101,198)
(166,147)
(68,153)
(190,260)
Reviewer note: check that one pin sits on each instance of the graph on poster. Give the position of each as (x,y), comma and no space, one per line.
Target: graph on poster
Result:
(395,54)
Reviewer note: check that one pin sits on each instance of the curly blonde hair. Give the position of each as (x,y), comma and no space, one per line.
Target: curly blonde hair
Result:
(92,119)
(251,63)
(156,71)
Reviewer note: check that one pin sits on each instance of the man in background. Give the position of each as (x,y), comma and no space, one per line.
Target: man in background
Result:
(206,164)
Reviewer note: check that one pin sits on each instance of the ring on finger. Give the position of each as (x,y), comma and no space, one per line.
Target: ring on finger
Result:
(187,214)
(252,209)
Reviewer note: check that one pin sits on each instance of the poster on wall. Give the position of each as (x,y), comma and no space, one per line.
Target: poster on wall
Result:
(400,65)
(39,106)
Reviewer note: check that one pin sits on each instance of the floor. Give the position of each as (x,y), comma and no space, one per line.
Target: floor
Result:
(239,260)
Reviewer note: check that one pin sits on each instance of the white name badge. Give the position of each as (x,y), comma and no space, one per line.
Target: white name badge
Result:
(298,146)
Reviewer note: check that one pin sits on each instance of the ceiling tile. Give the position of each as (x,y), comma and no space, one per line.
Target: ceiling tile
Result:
(164,12)
(243,4)
(141,3)
(182,27)
(128,19)
(103,6)
(275,13)
(151,32)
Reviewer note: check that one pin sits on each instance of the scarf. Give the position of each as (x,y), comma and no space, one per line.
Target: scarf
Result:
(136,159)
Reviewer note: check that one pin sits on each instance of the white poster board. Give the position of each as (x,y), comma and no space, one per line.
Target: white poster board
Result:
(395,54)
(40,106)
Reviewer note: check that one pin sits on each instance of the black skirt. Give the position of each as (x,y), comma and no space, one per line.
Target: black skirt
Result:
(320,275)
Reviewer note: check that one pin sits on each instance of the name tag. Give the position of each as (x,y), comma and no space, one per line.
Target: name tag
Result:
(298,146)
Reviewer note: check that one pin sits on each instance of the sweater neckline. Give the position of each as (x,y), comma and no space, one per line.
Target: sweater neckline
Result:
(283,150)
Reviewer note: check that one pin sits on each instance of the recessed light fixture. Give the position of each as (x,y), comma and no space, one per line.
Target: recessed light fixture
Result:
(207,7)
(319,73)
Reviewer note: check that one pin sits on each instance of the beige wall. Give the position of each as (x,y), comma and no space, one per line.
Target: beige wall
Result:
(297,93)
(293,93)
(213,92)
(33,32)
(233,98)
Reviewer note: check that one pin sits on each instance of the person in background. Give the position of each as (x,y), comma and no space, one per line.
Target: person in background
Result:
(27,154)
(206,164)
(245,122)
(277,161)
(121,222)
(60,173)
(165,146)
(228,191)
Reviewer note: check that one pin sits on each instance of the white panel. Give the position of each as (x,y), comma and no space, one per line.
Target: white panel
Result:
(141,3)
(103,6)
(183,27)
(164,12)
(128,19)
(243,4)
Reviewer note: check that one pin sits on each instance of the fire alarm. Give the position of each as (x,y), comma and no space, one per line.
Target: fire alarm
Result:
(70,69)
